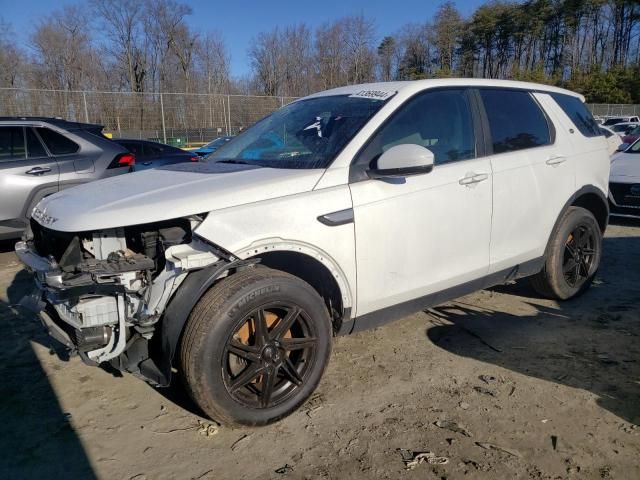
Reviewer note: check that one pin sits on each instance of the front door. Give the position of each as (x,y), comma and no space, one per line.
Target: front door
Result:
(423,234)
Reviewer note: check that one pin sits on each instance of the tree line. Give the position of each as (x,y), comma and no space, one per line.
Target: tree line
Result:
(591,46)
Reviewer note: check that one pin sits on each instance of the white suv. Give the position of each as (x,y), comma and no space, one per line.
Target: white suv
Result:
(341,211)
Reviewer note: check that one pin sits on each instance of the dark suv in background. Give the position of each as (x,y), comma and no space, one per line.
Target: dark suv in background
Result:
(41,156)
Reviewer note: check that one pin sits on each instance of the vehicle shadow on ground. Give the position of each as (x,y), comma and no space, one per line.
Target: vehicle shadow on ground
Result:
(37,438)
(590,343)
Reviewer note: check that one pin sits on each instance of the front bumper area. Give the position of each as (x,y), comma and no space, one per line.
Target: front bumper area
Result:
(59,304)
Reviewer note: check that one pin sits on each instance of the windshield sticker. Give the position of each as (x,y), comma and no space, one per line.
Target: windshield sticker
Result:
(373,94)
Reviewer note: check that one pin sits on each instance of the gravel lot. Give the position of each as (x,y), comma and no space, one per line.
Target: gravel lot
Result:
(502,384)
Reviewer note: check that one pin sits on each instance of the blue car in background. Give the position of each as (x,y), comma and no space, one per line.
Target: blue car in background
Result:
(212,146)
(153,154)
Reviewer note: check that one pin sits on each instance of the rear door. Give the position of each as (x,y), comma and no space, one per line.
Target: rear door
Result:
(27,174)
(75,164)
(533,175)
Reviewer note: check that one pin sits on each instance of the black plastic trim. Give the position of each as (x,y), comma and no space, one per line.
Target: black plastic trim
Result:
(335,219)
(587,189)
(395,312)
(180,306)
(399,172)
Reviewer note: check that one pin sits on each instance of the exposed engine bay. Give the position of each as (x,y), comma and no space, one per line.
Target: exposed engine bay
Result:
(103,293)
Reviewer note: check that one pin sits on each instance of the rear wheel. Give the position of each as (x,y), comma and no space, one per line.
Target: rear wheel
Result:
(573,256)
(255,347)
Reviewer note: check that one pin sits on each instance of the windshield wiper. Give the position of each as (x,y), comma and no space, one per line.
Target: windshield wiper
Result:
(234,161)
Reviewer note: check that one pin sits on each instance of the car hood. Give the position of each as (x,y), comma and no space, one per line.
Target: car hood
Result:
(625,168)
(168,192)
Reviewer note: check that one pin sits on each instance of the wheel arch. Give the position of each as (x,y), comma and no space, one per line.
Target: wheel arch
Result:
(310,264)
(590,198)
(298,259)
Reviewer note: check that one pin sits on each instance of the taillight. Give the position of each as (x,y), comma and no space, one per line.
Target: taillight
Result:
(194,159)
(123,160)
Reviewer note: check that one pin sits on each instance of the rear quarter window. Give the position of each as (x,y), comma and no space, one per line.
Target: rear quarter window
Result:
(56,143)
(579,114)
(516,121)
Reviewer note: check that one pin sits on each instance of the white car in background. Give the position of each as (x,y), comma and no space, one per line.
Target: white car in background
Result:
(614,141)
(624,182)
(339,212)
(613,120)
(622,129)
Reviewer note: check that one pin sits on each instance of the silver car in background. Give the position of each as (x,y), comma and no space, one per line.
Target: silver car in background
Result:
(41,156)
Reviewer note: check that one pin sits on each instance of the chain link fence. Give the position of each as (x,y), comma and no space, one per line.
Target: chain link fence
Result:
(612,110)
(180,119)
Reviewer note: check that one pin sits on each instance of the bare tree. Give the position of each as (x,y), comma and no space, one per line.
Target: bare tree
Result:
(122,20)
(12,58)
(214,61)
(62,49)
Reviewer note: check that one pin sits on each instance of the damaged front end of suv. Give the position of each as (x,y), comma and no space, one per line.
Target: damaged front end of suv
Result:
(104,294)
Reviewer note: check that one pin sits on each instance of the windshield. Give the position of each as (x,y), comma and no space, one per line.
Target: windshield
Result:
(305,134)
(635,148)
(217,142)
(613,121)
(621,128)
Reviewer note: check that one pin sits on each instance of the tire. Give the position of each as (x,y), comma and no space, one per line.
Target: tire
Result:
(255,347)
(572,258)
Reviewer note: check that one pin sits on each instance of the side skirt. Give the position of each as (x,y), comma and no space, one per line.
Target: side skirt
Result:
(395,312)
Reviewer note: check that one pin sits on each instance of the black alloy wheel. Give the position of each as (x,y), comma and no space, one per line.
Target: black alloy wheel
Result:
(579,254)
(267,358)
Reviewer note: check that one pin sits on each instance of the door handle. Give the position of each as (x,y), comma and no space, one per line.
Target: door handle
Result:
(556,159)
(471,178)
(146,163)
(38,170)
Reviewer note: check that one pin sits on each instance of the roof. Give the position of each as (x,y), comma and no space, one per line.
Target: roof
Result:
(57,121)
(414,86)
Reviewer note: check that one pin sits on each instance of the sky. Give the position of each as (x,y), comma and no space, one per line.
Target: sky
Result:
(239,21)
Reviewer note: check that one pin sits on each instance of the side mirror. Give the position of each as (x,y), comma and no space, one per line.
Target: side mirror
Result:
(622,147)
(402,161)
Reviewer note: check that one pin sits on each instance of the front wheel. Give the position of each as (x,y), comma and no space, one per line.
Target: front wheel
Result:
(255,347)
(573,256)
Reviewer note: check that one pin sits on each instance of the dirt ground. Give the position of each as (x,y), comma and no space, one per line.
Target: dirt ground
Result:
(502,384)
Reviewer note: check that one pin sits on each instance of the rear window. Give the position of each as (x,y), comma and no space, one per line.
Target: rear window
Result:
(578,113)
(133,147)
(56,143)
(515,120)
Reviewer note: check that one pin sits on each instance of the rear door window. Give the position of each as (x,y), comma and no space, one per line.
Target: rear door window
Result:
(579,114)
(34,145)
(56,143)
(11,144)
(516,121)
(151,150)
